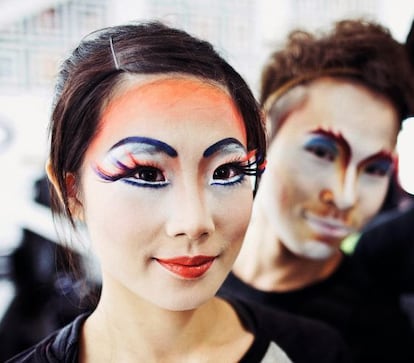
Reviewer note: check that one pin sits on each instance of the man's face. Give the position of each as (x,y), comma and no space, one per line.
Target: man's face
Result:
(329,167)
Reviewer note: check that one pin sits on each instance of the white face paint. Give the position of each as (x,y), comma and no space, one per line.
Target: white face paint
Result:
(164,194)
(329,167)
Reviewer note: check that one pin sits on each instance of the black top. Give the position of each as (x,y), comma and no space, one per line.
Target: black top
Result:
(367,315)
(279,337)
(387,251)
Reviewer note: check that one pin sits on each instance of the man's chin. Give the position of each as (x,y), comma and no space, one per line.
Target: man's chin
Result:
(317,250)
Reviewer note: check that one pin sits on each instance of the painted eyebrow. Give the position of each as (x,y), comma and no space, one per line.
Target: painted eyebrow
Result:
(149,145)
(226,145)
(339,139)
(381,155)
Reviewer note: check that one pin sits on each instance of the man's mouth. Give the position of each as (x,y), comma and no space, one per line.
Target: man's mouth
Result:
(327,226)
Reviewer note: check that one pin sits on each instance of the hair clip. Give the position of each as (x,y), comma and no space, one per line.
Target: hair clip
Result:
(111,44)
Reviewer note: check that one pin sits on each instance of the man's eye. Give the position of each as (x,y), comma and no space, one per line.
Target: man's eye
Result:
(379,168)
(322,147)
(148,174)
(321,152)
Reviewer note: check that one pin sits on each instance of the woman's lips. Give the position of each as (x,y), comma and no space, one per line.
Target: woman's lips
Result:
(187,267)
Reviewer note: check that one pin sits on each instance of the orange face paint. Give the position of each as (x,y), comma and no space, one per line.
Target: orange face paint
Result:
(165,96)
(166,170)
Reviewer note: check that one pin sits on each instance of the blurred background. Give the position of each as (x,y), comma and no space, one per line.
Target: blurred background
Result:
(35,35)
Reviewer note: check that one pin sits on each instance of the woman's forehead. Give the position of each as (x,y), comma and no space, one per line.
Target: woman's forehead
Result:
(177,83)
(166,91)
(166,108)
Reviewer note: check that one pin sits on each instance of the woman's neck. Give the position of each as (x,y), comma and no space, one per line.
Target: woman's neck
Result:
(266,264)
(129,330)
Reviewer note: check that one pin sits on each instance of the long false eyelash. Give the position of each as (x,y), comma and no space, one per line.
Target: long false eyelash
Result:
(248,166)
(125,172)
(104,175)
(253,164)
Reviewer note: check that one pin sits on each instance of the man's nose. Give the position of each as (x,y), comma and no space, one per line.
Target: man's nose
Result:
(343,192)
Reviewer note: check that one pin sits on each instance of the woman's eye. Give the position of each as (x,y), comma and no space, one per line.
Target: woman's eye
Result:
(148,174)
(382,168)
(227,174)
(223,172)
(322,149)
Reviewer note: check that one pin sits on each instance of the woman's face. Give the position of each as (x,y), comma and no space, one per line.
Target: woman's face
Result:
(163,191)
(329,167)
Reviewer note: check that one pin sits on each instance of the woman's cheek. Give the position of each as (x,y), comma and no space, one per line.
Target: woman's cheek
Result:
(238,212)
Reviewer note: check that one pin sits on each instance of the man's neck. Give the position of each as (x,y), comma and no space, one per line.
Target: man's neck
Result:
(266,264)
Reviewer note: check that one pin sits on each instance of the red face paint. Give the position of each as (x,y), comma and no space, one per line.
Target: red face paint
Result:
(339,140)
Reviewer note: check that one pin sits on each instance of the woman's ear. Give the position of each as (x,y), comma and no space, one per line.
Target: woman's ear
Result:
(75,205)
(52,178)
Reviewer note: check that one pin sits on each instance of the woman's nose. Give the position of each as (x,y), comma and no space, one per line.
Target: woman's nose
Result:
(190,215)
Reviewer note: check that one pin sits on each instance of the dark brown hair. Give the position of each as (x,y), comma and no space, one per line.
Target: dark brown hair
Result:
(358,49)
(102,60)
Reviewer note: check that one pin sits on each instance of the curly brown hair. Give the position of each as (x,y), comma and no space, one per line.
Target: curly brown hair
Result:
(359,49)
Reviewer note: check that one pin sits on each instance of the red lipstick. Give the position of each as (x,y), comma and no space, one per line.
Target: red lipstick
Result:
(187,267)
